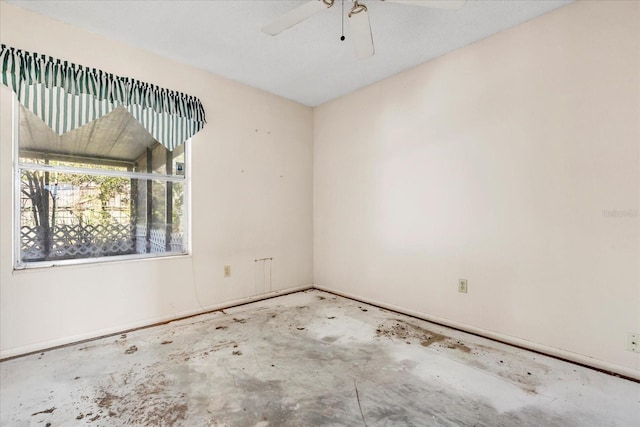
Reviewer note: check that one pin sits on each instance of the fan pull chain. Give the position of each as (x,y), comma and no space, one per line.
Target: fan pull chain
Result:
(342,15)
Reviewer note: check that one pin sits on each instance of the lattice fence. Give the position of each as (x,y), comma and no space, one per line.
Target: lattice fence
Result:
(158,240)
(77,241)
(32,243)
(141,239)
(177,242)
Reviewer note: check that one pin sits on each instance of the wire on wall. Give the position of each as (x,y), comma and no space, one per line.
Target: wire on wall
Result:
(342,15)
(195,286)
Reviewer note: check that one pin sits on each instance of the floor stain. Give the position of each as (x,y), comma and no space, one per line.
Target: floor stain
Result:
(131,350)
(157,402)
(503,363)
(459,346)
(396,328)
(108,400)
(46,411)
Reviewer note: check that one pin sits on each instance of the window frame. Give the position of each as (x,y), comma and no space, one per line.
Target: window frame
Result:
(18,167)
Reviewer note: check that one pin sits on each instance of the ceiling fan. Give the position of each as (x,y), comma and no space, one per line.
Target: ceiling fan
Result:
(358,19)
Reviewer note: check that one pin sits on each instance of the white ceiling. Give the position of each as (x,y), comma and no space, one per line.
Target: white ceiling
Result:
(307,63)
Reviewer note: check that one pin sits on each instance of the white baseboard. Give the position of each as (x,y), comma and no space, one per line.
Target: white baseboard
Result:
(51,344)
(541,348)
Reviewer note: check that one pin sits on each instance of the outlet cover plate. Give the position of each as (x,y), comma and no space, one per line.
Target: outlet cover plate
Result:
(463,286)
(227,271)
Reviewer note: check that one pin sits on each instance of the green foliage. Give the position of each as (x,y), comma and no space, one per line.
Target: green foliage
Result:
(97,191)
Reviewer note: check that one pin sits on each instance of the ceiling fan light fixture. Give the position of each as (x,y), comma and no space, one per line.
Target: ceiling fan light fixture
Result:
(357,8)
(358,19)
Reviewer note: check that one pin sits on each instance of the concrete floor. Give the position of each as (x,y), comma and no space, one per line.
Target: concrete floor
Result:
(307,359)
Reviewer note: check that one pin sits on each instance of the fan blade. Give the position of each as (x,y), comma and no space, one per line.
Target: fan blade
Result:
(438,4)
(296,16)
(361,33)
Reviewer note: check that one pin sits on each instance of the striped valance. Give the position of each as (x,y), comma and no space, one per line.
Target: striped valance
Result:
(66,96)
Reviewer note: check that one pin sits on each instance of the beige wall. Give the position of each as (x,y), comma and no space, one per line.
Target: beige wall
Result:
(252,198)
(496,163)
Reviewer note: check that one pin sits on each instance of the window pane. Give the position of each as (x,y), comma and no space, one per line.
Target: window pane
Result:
(73,216)
(69,216)
(160,219)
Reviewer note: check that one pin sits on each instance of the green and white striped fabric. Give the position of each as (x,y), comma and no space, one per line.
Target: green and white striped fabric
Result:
(66,96)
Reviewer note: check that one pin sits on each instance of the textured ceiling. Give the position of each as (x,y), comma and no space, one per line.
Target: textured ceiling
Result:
(307,63)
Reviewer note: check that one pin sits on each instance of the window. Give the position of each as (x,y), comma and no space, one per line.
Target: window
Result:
(104,190)
(100,162)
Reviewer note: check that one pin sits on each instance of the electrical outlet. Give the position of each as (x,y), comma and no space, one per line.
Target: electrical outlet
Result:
(462,286)
(633,342)
(227,271)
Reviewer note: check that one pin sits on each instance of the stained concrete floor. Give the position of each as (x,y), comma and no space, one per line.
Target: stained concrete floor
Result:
(307,359)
